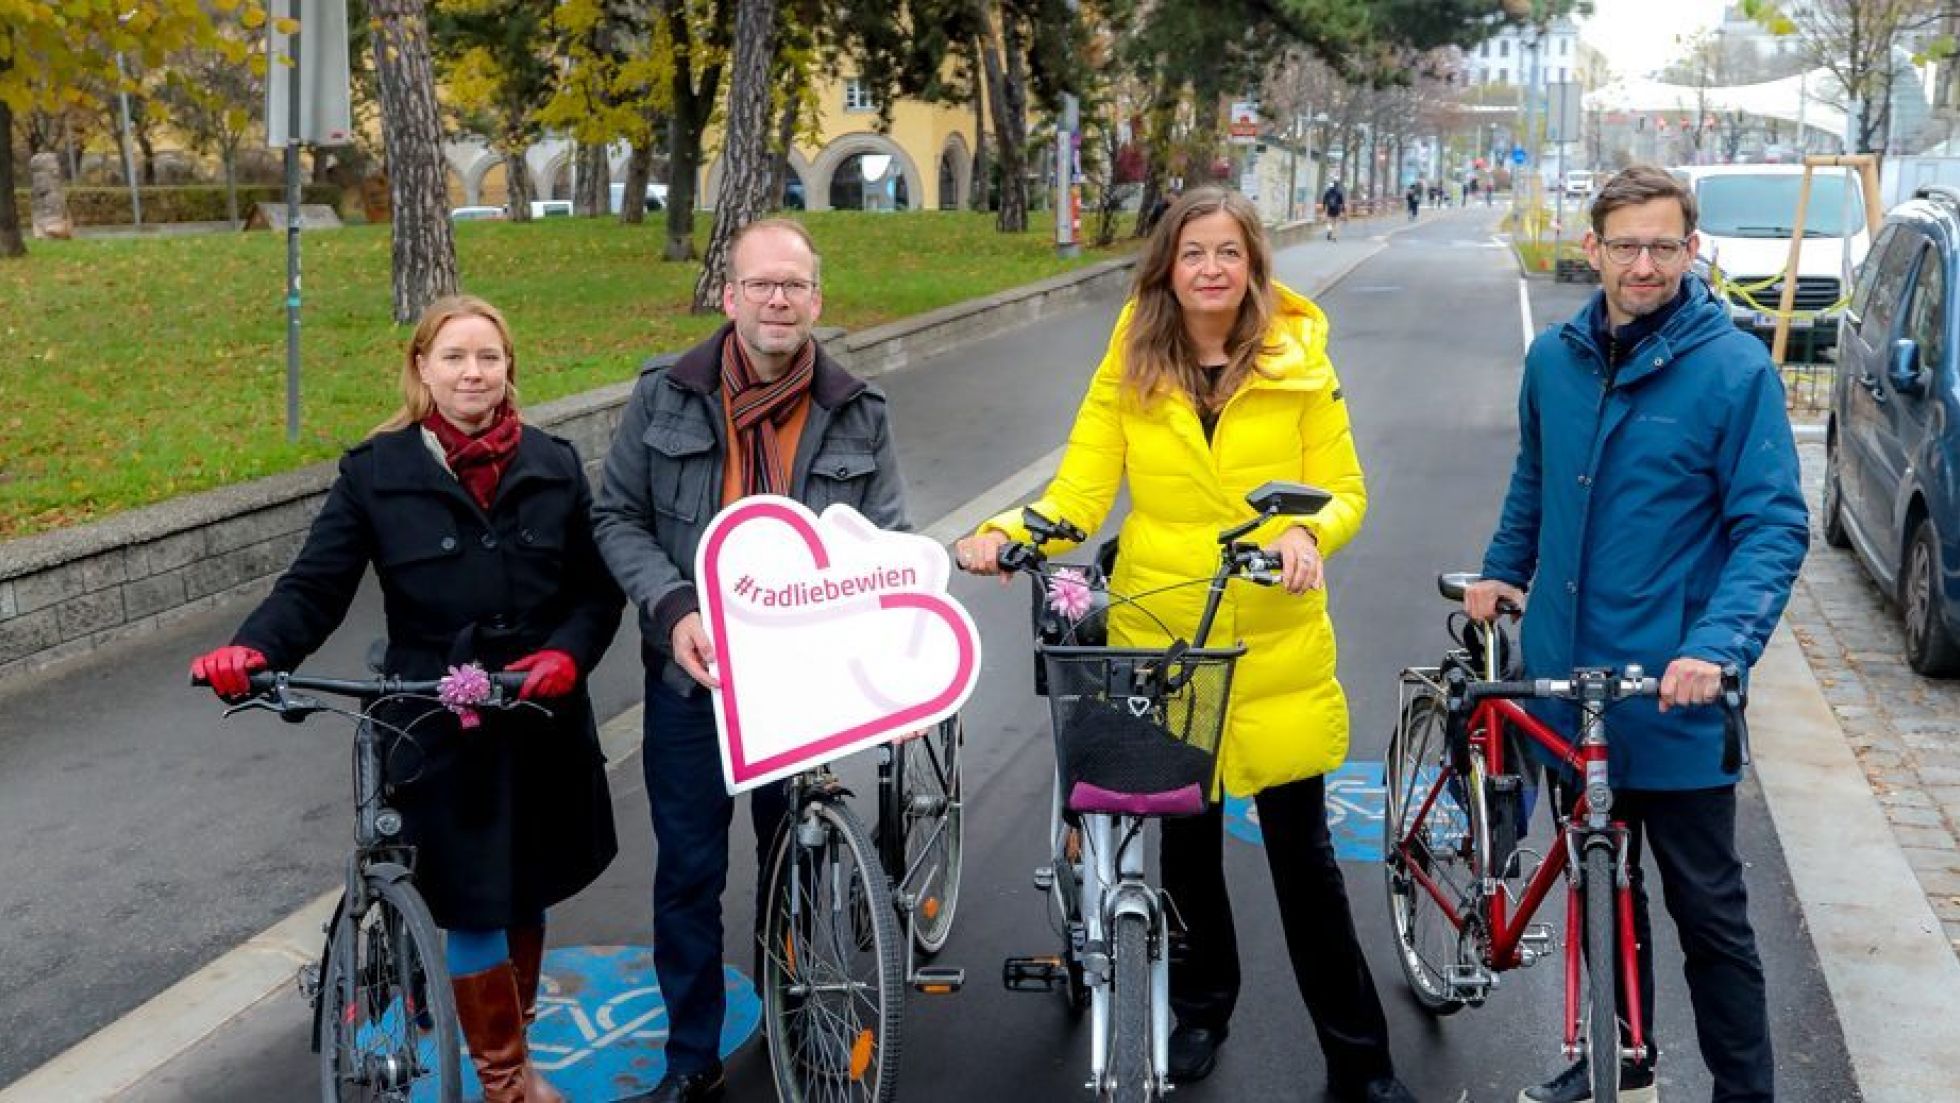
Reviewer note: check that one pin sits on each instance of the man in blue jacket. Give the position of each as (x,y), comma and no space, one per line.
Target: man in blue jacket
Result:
(1656,516)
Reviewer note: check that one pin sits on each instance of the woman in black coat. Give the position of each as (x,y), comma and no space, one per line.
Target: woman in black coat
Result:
(477,528)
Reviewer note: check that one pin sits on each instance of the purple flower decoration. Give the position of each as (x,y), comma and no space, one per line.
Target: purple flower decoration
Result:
(461,688)
(1068,593)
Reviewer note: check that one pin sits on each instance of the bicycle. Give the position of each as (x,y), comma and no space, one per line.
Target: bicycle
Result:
(1455,812)
(1137,733)
(380,987)
(830,970)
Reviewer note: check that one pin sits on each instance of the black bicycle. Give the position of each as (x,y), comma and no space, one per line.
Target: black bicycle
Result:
(381,990)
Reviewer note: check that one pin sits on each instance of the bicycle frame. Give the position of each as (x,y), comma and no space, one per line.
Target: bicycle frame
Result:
(1501,930)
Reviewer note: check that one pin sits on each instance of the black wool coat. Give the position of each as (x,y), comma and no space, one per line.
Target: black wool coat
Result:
(512,816)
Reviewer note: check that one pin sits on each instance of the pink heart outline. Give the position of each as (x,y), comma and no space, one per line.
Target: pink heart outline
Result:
(740,768)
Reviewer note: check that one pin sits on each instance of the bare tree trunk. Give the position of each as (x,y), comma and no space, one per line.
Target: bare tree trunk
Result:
(1007,87)
(979,196)
(639,172)
(692,105)
(591,187)
(745,164)
(11,242)
(779,170)
(411,133)
(518,191)
(229,155)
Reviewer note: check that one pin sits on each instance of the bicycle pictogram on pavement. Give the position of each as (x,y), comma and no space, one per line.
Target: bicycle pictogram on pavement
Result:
(1356,797)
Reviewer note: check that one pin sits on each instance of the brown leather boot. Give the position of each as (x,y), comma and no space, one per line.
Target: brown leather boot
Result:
(527,962)
(492,1018)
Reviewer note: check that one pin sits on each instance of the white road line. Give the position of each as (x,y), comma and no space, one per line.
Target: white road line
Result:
(1524,310)
(994,499)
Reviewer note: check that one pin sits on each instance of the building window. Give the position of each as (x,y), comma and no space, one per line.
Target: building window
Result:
(1564,47)
(1503,76)
(1484,50)
(1561,75)
(1504,48)
(858,97)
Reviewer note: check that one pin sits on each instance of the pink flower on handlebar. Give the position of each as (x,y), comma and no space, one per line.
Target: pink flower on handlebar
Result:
(463,687)
(1068,593)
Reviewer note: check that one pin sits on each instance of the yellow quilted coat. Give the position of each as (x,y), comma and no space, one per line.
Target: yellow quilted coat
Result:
(1288,718)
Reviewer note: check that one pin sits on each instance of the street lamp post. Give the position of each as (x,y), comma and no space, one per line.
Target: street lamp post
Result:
(128,159)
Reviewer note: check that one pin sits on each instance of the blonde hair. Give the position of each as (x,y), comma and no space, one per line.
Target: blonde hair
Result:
(416,399)
(1158,355)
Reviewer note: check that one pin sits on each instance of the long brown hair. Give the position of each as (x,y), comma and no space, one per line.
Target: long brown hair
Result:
(416,400)
(1158,355)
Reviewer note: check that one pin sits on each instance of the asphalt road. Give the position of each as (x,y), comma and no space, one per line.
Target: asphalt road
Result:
(213,831)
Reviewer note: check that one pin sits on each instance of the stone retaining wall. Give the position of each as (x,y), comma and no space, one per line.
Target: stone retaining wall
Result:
(68,593)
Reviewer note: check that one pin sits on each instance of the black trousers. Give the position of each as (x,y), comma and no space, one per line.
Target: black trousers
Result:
(1691,834)
(1327,961)
(691,816)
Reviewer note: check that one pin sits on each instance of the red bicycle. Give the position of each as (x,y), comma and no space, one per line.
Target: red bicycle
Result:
(1463,892)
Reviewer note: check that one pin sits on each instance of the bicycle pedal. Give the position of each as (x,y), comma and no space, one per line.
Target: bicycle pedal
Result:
(934,980)
(1044,878)
(1033,974)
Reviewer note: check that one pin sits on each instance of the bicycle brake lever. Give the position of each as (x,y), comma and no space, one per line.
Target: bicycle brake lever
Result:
(251,705)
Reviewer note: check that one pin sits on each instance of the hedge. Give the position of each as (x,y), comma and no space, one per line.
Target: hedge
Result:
(92,206)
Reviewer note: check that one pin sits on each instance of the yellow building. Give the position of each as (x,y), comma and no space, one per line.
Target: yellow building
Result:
(924,162)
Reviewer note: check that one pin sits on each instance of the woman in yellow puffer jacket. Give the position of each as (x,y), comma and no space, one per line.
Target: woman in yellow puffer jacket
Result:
(1217,380)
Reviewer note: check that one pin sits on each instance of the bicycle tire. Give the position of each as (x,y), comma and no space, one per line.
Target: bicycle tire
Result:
(1602,975)
(372,1048)
(1130,1078)
(830,925)
(931,767)
(1427,945)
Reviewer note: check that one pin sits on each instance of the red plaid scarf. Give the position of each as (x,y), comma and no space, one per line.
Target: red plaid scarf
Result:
(478,461)
(758,410)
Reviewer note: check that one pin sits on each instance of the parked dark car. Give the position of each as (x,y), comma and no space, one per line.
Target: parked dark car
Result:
(1892,484)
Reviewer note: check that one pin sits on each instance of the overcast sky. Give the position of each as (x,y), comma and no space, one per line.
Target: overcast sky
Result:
(1638,36)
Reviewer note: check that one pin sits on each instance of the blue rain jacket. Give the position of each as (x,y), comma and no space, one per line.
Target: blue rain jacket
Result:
(1658,519)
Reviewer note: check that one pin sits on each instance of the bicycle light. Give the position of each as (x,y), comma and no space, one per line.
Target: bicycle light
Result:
(388,823)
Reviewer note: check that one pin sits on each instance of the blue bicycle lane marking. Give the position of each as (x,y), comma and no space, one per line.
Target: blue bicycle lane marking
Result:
(602,1025)
(1356,798)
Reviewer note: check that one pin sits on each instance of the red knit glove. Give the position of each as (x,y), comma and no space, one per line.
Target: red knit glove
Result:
(227,670)
(553,674)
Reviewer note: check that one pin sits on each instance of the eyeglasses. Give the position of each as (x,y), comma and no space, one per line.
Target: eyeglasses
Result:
(761,291)
(1667,250)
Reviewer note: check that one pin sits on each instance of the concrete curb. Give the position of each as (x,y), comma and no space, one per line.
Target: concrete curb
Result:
(1892,976)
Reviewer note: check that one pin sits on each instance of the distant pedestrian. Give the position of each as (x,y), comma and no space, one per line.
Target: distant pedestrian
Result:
(1413,197)
(1334,203)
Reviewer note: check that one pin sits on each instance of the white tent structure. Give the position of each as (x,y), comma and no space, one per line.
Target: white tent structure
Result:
(1799,99)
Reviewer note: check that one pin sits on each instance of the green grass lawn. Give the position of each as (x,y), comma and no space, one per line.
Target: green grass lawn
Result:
(134,370)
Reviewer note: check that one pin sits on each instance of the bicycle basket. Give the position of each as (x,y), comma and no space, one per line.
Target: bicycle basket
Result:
(1136,731)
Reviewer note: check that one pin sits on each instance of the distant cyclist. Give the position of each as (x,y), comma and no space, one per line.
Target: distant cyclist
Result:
(1651,413)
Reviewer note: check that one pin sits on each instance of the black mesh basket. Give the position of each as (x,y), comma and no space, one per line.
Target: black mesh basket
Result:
(1136,729)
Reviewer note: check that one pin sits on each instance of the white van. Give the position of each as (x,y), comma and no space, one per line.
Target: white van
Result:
(1748,214)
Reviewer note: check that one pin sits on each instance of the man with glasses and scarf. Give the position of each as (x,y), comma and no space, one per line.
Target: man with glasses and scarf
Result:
(1656,517)
(758,408)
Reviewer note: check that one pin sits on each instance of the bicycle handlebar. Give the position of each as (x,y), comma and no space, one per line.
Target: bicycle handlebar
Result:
(271,688)
(1733,699)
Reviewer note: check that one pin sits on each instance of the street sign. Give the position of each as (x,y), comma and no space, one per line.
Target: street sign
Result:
(1245,123)
(1563,102)
(325,92)
(1517,155)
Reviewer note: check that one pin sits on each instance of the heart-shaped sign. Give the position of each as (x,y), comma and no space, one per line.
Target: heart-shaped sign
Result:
(830,636)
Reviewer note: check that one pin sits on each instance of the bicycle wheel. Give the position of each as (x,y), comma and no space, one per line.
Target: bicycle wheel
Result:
(385,996)
(1602,972)
(832,975)
(1437,844)
(1130,1078)
(930,796)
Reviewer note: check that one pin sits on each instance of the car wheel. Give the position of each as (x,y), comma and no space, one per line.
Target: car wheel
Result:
(1930,646)
(1834,533)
